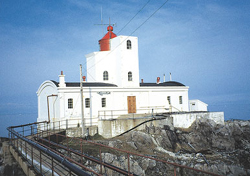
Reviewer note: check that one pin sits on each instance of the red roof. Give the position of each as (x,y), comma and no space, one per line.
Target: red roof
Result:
(109,34)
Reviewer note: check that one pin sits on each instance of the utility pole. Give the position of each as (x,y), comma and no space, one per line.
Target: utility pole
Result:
(82,108)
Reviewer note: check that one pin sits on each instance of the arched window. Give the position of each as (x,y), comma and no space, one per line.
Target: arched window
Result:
(70,103)
(103,102)
(105,76)
(129,45)
(130,76)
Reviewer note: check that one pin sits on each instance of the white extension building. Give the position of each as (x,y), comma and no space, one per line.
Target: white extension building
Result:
(112,89)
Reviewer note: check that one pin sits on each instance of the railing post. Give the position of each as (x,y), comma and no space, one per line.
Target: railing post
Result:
(66,124)
(174,171)
(21,145)
(32,156)
(128,165)
(49,140)
(41,163)
(15,142)
(57,141)
(42,137)
(100,152)
(31,130)
(81,151)
(52,165)
(26,150)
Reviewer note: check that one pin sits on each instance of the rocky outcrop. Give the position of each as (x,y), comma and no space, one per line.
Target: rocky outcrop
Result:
(221,149)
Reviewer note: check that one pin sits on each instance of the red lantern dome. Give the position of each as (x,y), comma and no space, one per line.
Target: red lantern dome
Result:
(105,41)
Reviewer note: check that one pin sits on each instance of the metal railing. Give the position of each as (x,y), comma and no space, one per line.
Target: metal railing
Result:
(50,152)
(113,114)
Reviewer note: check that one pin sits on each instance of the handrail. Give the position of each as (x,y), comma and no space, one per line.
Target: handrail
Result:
(63,161)
(39,134)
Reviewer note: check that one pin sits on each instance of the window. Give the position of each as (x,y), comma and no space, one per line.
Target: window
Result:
(169,100)
(87,102)
(130,77)
(70,103)
(129,45)
(180,99)
(105,75)
(103,102)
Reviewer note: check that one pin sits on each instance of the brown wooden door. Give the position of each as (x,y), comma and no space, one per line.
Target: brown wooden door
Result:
(131,104)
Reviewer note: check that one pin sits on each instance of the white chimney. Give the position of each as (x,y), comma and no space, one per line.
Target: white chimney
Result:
(62,80)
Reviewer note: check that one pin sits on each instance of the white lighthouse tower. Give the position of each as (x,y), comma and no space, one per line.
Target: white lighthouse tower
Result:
(117,61)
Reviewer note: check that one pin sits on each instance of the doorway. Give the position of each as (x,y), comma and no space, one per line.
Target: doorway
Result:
(131,104)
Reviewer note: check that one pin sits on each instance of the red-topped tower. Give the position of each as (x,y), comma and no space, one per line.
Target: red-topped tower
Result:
(105,41)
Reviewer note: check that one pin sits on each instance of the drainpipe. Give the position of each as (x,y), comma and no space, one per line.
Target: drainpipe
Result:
(52,95)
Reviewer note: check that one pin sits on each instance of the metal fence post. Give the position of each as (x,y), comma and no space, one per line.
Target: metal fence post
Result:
(26,150)
(32,156)
(52,165)
(128,165)
(41,163)
(31,130)
(100,160)
(81,152)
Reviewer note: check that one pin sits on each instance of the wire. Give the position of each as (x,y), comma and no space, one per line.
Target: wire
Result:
(149,17)
(134,16)
(130,33)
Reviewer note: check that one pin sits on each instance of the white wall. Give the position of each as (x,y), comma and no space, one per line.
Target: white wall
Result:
(197,105)
(118,62)
(46,89)
(186,120)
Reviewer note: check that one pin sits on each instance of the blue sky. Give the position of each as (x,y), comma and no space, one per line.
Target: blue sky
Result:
(204,44)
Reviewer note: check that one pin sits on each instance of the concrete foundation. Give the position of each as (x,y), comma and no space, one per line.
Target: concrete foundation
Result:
(24,165)
(186,120)
(109,128)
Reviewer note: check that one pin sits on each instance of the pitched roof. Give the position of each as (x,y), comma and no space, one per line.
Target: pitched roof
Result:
(86,84)
(100,84)
(168,83)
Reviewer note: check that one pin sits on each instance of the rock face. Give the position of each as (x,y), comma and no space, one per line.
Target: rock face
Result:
(8,165)
(221,149)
